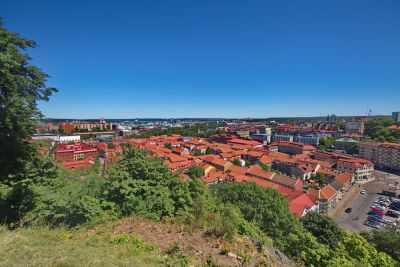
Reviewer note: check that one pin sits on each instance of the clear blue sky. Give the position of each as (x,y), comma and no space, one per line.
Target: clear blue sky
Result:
(214,58)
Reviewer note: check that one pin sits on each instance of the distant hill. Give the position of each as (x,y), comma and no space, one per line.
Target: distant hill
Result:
(282,119)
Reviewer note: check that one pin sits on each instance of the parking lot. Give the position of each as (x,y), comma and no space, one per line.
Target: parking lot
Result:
(361,204)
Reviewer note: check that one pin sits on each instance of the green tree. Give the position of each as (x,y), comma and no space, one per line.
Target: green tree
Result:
(168,145)
(268,210)
(363,253)
(386,240)
(236,162)
(321,178)
(22,85)
(110,145)
(195,171)
(140,184)
(323,228)
(326,143)
(376,128)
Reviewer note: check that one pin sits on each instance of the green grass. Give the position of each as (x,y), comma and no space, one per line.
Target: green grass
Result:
(57,247)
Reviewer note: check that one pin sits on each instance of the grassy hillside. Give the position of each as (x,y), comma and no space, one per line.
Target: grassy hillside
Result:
(131,241)
(55,247)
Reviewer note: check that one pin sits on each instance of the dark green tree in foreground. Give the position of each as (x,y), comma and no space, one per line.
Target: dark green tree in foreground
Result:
(22,85)
(323,228)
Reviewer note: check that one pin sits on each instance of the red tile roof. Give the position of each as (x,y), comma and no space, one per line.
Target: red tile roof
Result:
(344,178)
(355,162)
(294,145)
(257,171)
(391,145)
(237,169)
(213,176)
(394,127)
(244,142)
(327,192)
(175,158)
(299,204)
(284,180)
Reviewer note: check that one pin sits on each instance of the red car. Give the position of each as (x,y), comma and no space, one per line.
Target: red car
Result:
(377,211)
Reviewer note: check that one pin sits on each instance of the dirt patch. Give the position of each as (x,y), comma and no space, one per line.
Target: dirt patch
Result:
(197,245)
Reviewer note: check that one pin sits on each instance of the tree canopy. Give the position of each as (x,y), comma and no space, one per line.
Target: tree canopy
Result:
(22,85)
(323,228)
(377,129)
(386,240)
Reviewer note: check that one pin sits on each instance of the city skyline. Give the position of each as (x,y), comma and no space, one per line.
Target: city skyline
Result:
(210,60)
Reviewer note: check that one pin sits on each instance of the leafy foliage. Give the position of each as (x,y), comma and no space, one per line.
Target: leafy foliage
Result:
(357,248)
(203,130)
(386,240)
(326,143)
(321,178)
(323,228)
(376,128)
(268,209)
(195,171)
(142,185)
(21,86)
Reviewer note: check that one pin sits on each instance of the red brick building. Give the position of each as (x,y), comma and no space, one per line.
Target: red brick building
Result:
(73,152)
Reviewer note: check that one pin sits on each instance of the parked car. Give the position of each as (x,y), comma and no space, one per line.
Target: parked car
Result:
(376,211)
(389,222)
(393,214)
(375,219)
(363,191)
(394,207)
(348,210)
(374,225)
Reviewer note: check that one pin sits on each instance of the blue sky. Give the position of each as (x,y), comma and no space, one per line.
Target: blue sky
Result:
(128,59)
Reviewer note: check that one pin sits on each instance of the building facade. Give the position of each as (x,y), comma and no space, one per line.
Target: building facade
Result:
(73,152)
(282,137)
(360,167)
(345,144)
(396,116)
(355,127)
(312,140)
(384,155)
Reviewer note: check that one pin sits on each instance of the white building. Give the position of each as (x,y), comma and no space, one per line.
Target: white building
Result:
(69,139)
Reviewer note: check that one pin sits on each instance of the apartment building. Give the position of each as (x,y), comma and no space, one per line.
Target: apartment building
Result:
(396,116)
(384,155)
(282,137)
(69,127)
(309,139)
(94,126)
(369,151)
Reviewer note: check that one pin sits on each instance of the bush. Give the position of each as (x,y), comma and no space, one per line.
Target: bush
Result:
(142,185)
(323,228)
